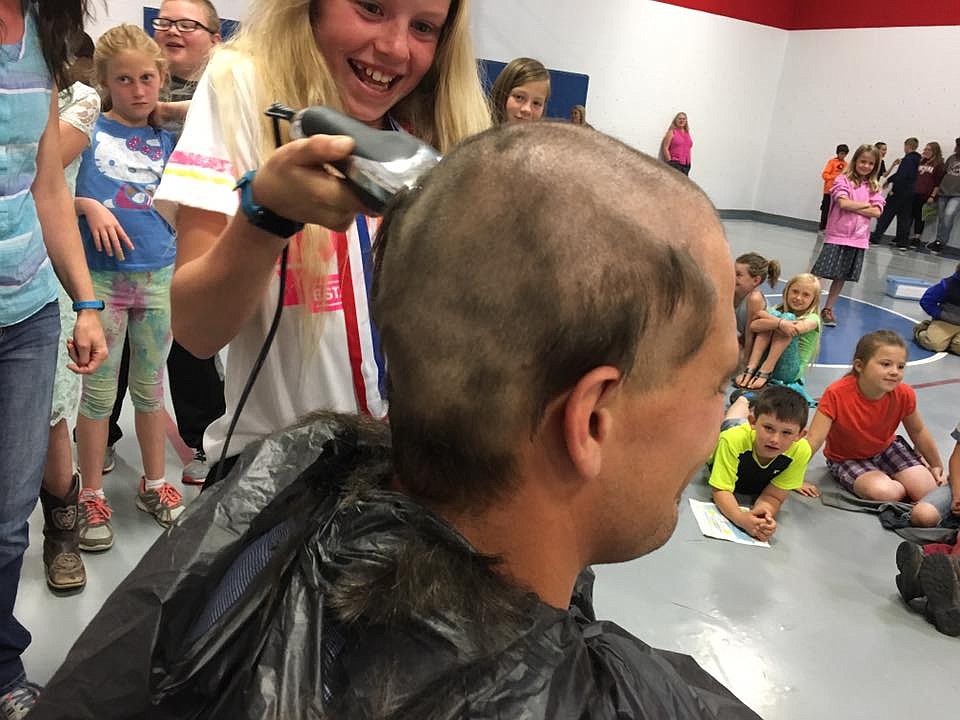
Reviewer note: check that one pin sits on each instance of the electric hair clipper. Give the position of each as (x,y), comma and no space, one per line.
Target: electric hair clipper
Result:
(383,161)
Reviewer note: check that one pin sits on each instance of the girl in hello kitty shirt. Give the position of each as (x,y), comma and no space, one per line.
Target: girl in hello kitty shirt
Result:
(130,250)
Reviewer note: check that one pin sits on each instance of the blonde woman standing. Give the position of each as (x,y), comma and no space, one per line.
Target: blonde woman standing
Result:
(676,145)
(389,64)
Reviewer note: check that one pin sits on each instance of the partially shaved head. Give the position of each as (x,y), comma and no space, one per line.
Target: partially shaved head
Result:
(531,255)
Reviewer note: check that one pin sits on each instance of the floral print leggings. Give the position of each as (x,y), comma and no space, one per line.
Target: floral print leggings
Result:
(138,305)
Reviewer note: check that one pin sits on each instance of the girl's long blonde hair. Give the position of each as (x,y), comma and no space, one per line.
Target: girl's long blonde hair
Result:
(814,307)
(115,41)
(276,45)
(874,177)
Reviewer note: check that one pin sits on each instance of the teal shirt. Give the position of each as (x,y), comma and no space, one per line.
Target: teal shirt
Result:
(27,281)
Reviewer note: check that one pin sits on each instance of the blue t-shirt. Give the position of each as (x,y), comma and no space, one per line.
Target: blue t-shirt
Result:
(121,168)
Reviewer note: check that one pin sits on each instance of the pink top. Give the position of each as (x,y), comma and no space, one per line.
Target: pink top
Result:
(680,144)
(845,227)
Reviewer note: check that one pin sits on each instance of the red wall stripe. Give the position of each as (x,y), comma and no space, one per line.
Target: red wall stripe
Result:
(830,14)
(776,13)
(824,14)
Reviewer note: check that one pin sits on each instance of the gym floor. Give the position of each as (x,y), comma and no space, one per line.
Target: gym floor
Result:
(812,627)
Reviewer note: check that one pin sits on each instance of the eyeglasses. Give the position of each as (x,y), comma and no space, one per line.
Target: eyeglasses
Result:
(183,25)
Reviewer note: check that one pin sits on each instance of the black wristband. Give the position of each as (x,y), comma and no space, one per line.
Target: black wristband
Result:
(260,216)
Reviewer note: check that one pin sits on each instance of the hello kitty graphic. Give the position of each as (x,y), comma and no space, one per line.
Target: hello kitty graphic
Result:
(136,163)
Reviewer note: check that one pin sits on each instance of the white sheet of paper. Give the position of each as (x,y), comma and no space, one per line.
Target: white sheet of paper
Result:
(713,524)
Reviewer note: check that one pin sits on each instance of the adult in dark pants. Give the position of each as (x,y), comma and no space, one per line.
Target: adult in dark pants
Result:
(929,175)
(947,196)
(187,32)
(900,201)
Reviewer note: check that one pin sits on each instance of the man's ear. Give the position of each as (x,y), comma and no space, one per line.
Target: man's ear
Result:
(802,434)
(752,420)
(587,421)
(217,39)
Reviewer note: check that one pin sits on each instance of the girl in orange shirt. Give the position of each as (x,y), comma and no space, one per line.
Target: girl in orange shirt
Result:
(858,417)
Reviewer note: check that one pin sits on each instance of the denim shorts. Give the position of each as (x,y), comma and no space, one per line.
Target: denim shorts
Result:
(942,499)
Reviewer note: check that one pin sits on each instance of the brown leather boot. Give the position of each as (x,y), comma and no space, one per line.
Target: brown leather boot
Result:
(61,540)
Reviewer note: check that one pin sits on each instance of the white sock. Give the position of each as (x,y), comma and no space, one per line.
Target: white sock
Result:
(154,484)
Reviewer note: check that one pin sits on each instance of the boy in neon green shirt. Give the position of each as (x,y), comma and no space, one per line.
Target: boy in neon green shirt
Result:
(762,452)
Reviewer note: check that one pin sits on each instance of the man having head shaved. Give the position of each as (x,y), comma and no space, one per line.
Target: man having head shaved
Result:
(537,328)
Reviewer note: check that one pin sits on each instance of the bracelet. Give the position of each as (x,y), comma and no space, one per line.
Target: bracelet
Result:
(88,305)
(260,216)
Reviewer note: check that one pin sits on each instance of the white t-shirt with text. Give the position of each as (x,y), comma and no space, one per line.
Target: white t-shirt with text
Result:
(346,371)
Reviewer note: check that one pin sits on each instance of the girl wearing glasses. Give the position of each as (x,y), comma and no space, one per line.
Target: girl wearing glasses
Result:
(186,31)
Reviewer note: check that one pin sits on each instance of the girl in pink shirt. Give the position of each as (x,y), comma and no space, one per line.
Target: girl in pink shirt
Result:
(855,199)
(676,144)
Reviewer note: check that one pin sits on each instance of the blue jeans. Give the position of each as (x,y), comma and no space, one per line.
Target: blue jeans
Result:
(28,360)
(947,210)
(942,499)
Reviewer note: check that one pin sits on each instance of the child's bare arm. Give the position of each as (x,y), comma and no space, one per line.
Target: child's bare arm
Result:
(665,145)
(818,431)
(751,523)
(923,441)
(106,231)
(755,304)
(763,322)
(955,478)
(805,326)
(166,113)
(771,499)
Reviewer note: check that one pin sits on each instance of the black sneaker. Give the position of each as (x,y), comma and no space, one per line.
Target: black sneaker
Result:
(935,247)
(940,580)
(903,247)
(909,560)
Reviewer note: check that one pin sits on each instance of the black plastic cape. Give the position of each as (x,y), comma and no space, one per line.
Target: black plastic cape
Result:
(372,607)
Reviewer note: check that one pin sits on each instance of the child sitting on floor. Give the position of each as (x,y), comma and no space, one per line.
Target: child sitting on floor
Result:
(858,417)
(760,452)
(750,271)
(787,338)
(942,303)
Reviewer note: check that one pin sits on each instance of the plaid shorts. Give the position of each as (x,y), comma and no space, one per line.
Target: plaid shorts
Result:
(896,458)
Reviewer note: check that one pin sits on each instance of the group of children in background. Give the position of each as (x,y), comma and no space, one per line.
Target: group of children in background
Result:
(922,185)
(765,445)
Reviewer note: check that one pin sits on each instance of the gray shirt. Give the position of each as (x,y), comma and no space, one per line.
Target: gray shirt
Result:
(950,185)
